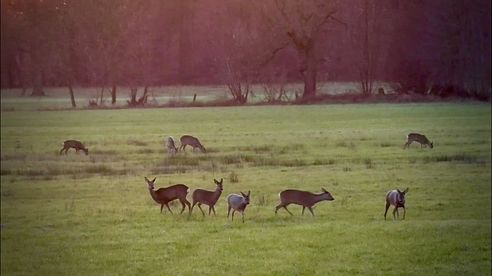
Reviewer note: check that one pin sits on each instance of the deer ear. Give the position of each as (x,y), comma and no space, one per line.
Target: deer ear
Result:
(405,191)
(249,192)
(153,180)
(216,182)
(323,189)
(243,194)
(221,180)
(146,179)
(398,190)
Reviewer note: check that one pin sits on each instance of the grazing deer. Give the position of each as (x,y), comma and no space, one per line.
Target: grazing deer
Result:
(171,146)
(165,195)
(191,141)
(237,203)
(305,199)
(207,197)
(397,199)
(419,138)
(77,145)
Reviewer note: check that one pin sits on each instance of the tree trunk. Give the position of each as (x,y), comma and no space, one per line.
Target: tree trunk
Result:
(35,41)
(101,95)
(72,97)
(113,94)
(37,89)
(184,42)
(310,76)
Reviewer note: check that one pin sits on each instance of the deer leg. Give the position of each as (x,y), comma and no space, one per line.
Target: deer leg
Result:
(200,206)
(213,209)
(187,204)
(397,213)
(228,210)
(169,209)
(233,211)
(311,210)
(61,150)
(386,211)
(303,208)
(285,207)
(182,205)
(242,214)
(192,206)
(209,209)
(394,211)
(404,211)
(277,207)
(162,206)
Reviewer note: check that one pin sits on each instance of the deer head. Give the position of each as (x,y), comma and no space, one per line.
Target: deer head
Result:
(219,183)
(150,183)
(326,195)
(401,196)
(246,197)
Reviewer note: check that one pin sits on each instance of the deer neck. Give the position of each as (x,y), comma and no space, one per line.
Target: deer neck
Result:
(317,198)
(153,195)
(217,193)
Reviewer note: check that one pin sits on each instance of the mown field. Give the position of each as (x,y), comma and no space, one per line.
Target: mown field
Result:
(93,215)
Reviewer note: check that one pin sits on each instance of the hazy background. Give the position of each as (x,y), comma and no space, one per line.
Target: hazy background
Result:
(422,46)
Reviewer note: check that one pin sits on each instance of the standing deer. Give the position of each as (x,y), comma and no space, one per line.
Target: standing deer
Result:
(165,195)
(237,203)
(303,198)
(419,138)
(171,146)
(191,141)
(77,145)
(397,199)
(207,197)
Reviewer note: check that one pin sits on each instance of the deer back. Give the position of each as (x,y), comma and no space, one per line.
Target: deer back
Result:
(170,143)
(418,138)
(238,202)
(73,144)
(189,140)
(303,198)
(172,192)
(396,197)
(208,197)
(192,141)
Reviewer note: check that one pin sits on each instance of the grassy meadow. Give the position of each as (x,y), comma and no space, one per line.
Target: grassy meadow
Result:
(91,215)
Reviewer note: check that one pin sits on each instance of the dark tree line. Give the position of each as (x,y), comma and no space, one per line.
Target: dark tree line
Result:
(423,46)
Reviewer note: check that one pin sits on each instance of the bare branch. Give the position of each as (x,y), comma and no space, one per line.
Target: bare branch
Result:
(274,53)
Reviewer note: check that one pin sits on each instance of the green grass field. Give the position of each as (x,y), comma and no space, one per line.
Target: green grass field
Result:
(80,215)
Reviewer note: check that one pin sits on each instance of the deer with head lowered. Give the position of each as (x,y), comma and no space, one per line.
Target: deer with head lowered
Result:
(171,146)
(188,140)
(207,197)
(419,138)
(237,203)
(77,145)
(303,198)
(165,195)
(397,199)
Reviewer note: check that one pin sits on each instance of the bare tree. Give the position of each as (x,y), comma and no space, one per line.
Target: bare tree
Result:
(241,47)
(303,24)
(367,37)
